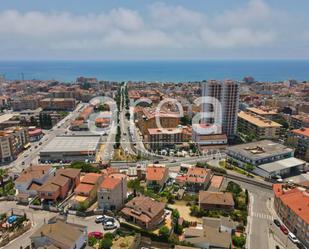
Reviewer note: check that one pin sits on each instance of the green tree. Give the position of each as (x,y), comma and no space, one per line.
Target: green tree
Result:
(185,120)
(2,175)
(239,241)
(164,232)
(249,167)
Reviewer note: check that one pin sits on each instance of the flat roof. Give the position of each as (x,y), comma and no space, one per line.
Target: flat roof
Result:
(261,111)
(258,120)
(281,164)
(260,149)
(72,144)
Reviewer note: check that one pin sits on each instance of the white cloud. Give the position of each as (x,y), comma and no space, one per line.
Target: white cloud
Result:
(160,29)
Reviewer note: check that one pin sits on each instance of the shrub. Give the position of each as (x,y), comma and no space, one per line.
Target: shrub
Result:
(164,232)
(239,241)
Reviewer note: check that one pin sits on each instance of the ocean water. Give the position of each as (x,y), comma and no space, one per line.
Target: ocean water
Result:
(168,70)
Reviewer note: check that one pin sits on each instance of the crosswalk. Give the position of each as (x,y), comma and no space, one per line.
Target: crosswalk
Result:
(262,216)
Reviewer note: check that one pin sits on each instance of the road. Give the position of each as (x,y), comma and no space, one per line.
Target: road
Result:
(126,143)
(31,155)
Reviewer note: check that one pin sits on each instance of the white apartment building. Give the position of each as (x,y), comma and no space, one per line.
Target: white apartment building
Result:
(227,93)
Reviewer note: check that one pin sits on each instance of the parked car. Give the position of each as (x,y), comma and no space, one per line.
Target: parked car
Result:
(293,238)
(97,235)
(284,229)
(277,222)
(109,225)
(99,219)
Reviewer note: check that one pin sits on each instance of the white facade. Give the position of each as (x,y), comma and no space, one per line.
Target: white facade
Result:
(113,199)
(227,93)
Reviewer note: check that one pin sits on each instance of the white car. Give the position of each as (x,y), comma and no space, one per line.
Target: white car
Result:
(293,238)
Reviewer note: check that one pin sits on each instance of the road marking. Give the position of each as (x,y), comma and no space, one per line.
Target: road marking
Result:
(262,216)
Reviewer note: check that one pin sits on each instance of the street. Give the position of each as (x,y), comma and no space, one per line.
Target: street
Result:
(31,155)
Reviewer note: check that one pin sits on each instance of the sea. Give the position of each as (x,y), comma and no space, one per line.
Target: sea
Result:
(157,70)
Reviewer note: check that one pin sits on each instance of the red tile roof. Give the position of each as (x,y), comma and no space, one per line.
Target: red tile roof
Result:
(302,131)
(297,199)
(156,173)
(90,178)
(84,188)
(110,182)
(194,175)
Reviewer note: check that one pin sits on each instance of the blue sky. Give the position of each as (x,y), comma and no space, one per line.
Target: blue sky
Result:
(149,29)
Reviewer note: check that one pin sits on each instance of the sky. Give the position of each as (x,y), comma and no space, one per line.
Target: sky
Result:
(150,29)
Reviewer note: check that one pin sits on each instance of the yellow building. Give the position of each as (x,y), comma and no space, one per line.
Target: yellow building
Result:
(259,127)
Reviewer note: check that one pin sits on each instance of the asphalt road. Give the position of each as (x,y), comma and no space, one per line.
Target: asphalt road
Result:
(31,155)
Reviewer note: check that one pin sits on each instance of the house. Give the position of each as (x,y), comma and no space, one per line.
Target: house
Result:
(59,185)
(112,193)
(299,139)
(212,234)
(86,191)
(195,179)
(156,175)
(216,200)
(144,212)
(61,235)
(225,224)
(292,206)
(31,178)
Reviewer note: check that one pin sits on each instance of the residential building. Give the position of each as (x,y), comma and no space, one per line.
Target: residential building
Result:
(263,112)
(13,140)
(112,193)
(156,175)
(48,119)
(81,122)
(299,121)
(86,191)
(206,139)
(71,148)
(35,134)
(27,102)
(144,212)
(258,126)
(166,138)
(146,119)
(59,104)
(265,158)
(292,206)
(227,93)
(216,200)
(32,178)
(299,139)
(214,233)
(60,234)
(195,179)
(60,184)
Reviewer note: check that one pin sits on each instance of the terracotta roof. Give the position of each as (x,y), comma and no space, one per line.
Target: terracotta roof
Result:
(90,178)
(33,172)
(84,188)
(69,172)
(194,175)
(48,187)
(216,198)
(156,173)
(297,199)
(302,131)
(34,186)
(59,180)
(110,182)
(143,208)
